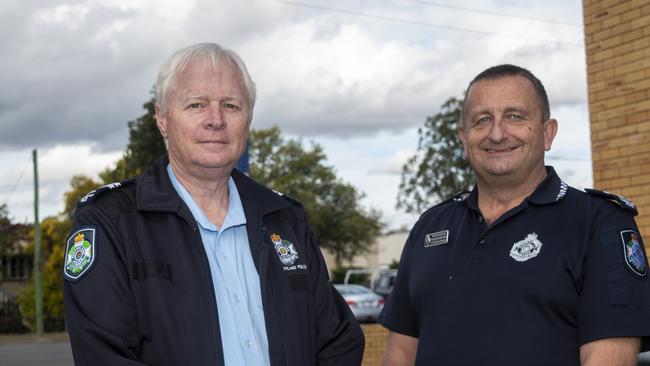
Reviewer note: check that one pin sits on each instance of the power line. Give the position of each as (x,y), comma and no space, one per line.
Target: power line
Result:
(454,7)
(420,23)
(16,184)
(567,158)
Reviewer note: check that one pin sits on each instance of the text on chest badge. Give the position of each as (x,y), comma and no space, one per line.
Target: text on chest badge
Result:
(437,238)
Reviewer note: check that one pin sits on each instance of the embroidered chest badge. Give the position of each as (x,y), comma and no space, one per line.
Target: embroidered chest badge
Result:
(285,250)
(526,249)
(634,257)
(80,254)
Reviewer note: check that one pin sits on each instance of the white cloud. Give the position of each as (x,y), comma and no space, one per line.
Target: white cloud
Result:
(394,164)
(57,166)
(75,72)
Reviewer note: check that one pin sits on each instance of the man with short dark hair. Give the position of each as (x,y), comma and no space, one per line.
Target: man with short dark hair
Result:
(193,263)
(524,270)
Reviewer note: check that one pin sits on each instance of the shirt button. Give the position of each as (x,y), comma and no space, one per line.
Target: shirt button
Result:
(237,298)
(482,241)
(480,219)
(248,343)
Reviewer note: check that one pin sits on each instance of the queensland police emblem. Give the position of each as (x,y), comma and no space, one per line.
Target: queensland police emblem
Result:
(526,249)
(285,249)
(79,254)
(634,252)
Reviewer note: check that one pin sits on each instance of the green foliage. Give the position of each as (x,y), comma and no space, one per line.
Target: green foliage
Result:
(439,169)
(341,225)
(79,186)
(394,264)
(54,231)
(145,146)
(11,234)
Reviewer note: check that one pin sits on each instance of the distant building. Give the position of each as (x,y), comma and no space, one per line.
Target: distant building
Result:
(386,249)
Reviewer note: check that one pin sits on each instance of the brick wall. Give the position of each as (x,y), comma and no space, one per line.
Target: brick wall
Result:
(376,337)
(617,40)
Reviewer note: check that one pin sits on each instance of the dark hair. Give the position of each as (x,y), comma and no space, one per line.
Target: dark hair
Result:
(500,71)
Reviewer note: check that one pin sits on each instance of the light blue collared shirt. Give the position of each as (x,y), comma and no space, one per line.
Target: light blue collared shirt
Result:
(235,280)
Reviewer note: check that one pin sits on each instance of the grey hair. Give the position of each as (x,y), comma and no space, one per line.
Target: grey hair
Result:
(211,52)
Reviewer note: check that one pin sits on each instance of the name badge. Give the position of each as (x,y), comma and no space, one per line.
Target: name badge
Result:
(437,238)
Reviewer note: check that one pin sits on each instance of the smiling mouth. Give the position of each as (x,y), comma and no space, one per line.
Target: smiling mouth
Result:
(497,151)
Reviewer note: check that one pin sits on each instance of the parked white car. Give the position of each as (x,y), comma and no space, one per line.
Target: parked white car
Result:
(365,304)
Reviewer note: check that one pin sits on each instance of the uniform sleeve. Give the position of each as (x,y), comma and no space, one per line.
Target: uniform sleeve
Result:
(615,298)
(398,315)
(99,309)
(339,339)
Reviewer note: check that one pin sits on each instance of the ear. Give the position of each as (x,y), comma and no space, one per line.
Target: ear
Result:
(460,131)
(161,121)
(550,130)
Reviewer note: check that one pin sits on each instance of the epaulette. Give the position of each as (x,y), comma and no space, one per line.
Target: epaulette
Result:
(90,196)
(289,199)
(621,201)
(458,197)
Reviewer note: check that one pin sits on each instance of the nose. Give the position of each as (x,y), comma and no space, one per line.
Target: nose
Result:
(214,119)
(498,131)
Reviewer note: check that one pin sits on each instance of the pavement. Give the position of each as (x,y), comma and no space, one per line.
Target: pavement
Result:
(52,349)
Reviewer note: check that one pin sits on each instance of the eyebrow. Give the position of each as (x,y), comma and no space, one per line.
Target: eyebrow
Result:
(203,97)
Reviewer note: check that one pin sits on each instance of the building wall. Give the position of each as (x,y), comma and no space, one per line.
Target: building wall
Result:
(617,41)
(381,254)
(376,338)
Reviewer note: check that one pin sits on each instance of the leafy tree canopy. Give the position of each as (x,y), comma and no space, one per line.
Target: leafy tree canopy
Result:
(145,146)
(438,169)
(341,225)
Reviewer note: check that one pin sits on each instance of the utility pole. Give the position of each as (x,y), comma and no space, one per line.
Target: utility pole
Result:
(37,252)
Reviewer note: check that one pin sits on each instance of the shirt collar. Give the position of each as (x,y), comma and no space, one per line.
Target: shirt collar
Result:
(155,192)
(234,216)
(552,189)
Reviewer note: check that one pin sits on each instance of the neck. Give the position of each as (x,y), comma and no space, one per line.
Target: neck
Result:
(209,191)
(498,195)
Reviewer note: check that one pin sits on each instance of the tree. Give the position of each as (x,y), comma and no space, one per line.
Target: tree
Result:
(145,146)
(54,232)
(439,169)
(80,185)
(341,225)
(12,234)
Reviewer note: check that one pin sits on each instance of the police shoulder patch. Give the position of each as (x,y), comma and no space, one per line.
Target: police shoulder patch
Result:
(90,196)
(79,253)
(621,201)
(633,252)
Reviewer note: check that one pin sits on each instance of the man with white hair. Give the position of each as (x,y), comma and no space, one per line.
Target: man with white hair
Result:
(193,262)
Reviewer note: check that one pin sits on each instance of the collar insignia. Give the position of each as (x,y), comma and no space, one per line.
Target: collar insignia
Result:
(526,249)
(437,238)
(285,249)
(562,192)
(634,257)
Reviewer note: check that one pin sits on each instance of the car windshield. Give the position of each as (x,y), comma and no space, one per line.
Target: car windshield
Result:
(351,289)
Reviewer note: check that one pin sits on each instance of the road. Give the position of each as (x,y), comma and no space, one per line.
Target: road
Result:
(36,354)
(59,354)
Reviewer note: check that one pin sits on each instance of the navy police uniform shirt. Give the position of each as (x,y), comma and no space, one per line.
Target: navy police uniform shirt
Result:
(562,269)
(139,291)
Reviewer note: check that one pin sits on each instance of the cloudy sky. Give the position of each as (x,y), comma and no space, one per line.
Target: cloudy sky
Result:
(356,76)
